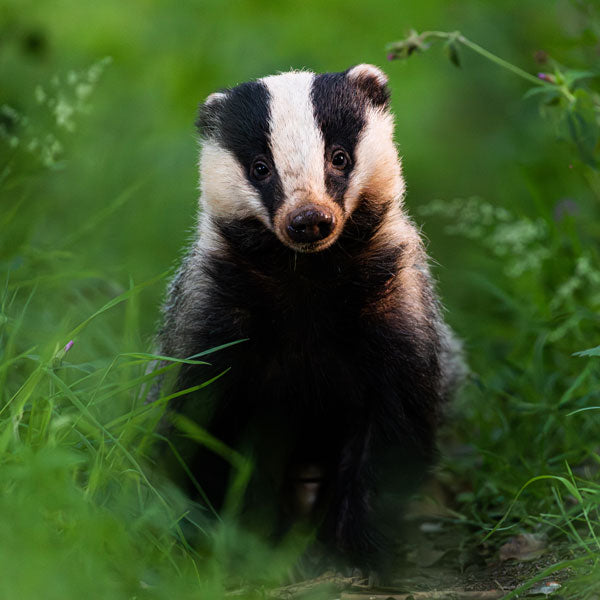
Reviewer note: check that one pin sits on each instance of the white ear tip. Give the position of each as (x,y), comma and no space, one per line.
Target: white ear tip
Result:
(214,97)
(366,71)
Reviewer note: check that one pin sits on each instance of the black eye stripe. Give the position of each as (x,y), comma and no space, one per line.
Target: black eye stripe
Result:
(242,126)
(340,114)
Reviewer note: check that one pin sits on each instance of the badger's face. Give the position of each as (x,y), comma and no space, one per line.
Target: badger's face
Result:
(299,151)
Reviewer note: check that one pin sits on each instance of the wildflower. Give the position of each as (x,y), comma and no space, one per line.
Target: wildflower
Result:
(546,77)
(63,111)
(83,90)
(404,48)
(566,206)
(51,149)
(68,346)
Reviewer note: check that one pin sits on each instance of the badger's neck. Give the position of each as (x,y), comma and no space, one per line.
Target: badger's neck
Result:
(362,259)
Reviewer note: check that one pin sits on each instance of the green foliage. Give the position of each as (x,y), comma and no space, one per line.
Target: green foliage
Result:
(97,188)
(527,406)
(562,96)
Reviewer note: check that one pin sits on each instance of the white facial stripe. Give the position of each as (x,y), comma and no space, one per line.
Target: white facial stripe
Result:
(377,166)
(225,190)
(296,140)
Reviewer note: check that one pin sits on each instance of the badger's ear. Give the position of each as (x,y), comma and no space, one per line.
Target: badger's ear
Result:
(208,113)
(372,81)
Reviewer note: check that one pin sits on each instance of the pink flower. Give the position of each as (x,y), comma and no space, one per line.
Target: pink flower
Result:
(68,346)
(565,207)
(546,77)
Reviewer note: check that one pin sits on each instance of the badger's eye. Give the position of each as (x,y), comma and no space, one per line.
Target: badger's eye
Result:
(260,170)
(340,160)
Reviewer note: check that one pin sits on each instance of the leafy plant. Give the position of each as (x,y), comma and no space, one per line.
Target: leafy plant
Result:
(562,94)
(532,385)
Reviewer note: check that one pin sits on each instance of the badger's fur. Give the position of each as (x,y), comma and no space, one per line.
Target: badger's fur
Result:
(304,251)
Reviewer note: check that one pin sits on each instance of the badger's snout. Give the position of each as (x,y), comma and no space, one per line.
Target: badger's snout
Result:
(309,224)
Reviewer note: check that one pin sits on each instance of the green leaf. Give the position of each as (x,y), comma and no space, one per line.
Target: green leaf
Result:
(571,488)
(146,357)
(114,302)
(580,410)
(451,50)
(589,352)
(545,93)
(583,127)
(579,380)
(572,76)
(206,439)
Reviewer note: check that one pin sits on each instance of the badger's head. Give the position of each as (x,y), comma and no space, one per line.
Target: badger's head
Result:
(300,152)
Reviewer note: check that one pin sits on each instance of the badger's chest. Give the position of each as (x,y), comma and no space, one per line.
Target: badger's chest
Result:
(307,323)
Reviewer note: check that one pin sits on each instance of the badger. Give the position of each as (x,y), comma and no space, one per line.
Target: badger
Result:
(305,255)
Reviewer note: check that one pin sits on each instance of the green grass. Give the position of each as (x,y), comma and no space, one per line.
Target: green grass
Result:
(97,198)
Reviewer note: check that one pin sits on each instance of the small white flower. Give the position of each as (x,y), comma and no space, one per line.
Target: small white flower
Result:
(40,94)
(83,90)
(63,111)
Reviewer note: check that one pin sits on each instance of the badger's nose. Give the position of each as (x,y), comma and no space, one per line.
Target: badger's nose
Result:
(309,224)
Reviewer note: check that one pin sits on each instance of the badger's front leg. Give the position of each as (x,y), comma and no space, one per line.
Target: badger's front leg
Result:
(377,472)
(348,517)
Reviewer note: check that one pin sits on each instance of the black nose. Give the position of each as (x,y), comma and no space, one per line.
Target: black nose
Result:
(309,224)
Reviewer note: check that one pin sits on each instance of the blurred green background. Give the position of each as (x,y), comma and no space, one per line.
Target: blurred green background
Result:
(98,194)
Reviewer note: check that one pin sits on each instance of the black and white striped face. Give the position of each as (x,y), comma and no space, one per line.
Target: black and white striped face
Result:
(299,151)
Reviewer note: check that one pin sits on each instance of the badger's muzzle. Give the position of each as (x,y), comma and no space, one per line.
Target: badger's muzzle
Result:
(309,224)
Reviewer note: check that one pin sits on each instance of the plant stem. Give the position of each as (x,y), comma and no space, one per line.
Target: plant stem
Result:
(499,61)
(456,35)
